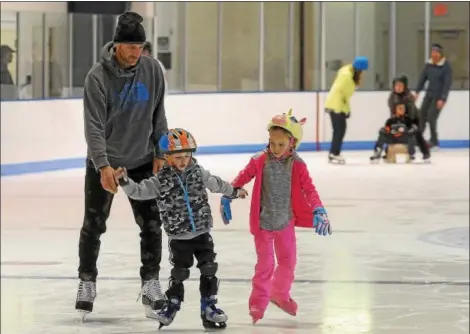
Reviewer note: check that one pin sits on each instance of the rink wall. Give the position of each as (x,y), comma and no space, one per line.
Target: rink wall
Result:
(47,135)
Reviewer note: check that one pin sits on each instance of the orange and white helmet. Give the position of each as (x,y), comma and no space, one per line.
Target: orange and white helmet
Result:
(177,140)
(289,123)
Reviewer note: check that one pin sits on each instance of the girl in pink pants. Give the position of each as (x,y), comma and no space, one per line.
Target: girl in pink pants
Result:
(283,197)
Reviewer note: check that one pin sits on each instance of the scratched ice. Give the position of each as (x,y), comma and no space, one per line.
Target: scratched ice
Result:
(397,261)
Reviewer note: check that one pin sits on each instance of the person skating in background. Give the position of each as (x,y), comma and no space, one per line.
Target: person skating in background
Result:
(180,190)
(337,103)
(6,54)
(438,74)
(398,129)
(124,118)
(147,51)
(401,94)
(284,197)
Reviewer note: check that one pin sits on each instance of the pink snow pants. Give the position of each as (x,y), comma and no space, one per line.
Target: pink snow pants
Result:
(269,281)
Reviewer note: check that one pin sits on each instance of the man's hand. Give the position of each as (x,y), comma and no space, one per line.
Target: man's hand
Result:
(107,179)
(416,96)
(440,104)
(157,165)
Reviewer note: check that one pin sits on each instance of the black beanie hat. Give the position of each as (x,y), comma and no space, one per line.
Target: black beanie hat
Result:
(129,29)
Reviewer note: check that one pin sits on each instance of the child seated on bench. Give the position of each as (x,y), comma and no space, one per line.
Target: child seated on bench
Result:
(402,94)
(399,129)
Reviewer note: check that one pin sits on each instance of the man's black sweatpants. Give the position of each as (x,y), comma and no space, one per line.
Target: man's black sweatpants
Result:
(97,208)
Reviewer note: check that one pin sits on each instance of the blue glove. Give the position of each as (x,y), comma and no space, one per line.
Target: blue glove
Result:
(225,210)
(321,223)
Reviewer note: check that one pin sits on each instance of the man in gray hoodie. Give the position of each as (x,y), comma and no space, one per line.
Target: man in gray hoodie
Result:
(124,119)
(438,73)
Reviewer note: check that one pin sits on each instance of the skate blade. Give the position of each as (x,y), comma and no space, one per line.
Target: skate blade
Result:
(83,315)
(335,162)
(218,326)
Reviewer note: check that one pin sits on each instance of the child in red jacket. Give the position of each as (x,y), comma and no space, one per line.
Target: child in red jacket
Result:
(283,197)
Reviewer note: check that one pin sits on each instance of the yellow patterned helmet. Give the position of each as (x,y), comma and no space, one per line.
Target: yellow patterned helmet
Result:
(289,123)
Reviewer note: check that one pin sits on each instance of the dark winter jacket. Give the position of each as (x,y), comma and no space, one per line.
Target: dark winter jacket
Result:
(405,98)
(397,126)
(439,78)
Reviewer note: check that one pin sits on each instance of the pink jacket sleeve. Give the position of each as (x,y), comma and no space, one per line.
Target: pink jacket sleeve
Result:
(308,187)
(246,175)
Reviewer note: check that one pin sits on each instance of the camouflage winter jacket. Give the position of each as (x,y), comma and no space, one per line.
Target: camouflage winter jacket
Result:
(182,198)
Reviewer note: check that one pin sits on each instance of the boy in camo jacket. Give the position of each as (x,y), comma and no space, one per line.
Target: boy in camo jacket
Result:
(180,190)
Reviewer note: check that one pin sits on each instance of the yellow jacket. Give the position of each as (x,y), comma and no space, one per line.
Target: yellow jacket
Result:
(341,91)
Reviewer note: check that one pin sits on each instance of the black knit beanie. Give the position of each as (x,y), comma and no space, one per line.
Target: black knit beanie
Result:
(129,29)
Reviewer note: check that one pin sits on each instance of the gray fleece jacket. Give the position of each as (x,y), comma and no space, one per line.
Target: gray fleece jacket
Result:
(182,199)
(124,111)
(439,78)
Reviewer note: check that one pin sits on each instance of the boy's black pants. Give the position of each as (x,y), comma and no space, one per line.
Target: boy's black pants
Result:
(182,254)
(338,123)
(97,208)
(389,139)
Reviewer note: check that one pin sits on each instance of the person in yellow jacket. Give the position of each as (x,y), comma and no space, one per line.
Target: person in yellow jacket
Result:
(337,103)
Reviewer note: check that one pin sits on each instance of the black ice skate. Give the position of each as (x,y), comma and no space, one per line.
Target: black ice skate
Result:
(168,313)
(85,297)
(152,297)
(427,158)
(211,316)
(338,159)
(376,156)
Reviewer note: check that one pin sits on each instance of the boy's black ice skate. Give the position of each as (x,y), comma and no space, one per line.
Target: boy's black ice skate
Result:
(152,297)
(85,297)
(168,313)
(211,316)
(376,156)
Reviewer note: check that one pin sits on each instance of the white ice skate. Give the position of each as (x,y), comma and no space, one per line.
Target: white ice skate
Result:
(336,159)
(152,298)
(86,296)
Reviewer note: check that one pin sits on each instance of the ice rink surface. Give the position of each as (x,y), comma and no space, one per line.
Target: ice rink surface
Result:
(397,262)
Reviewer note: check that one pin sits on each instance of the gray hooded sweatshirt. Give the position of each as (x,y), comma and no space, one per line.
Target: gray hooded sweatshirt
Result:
(124,111)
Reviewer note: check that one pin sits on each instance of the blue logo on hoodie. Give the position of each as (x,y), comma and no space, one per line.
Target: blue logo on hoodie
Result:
(134,94)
